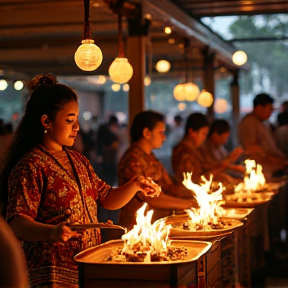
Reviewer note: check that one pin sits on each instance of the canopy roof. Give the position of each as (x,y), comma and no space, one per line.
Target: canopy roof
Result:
(39,36)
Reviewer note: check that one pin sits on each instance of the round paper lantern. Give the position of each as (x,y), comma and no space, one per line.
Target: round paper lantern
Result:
(179,92)
(163,66)
(239,58)
(220,105)
(120,70)
(88,56)
(191,91)
(205,99)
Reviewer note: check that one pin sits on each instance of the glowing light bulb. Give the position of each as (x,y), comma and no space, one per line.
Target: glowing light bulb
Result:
(163,66)
(126,87)
(191,91)
(221,105)
(181,106)
(115,87)
(239,58)
(205,99)
(88,56)
(18,85)
(3,84)
(147,80)
(179,92)
(120,70)
(168,30)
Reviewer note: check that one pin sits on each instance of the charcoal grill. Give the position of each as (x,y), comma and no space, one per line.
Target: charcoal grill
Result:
(95,271)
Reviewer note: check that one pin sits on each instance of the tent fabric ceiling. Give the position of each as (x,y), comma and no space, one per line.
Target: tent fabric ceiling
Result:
(39,36)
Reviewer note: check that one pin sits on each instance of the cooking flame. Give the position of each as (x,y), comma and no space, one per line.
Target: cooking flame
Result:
(254,179)
(151,237)
(209,202)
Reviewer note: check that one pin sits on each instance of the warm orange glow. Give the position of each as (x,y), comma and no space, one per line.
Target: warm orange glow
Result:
(209,202)
(153,237)
(254,179)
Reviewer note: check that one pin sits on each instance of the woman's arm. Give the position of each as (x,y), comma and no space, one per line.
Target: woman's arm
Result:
(118,197)
(26,229)
(165,201)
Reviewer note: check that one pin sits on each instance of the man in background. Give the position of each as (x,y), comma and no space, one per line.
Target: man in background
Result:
(257,139)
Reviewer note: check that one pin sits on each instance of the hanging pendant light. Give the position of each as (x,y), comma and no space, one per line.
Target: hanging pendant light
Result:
(88,56)
(205,99)
(187,91)
(163,66)
(120,70)
(179,92)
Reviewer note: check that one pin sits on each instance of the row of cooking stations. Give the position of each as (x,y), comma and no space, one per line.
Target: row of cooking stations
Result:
(219,244)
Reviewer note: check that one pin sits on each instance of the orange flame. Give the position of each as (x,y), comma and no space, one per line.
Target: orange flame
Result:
(209,202)
(254,181)
(153,237)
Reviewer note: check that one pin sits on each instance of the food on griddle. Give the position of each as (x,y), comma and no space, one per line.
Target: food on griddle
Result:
(141,254)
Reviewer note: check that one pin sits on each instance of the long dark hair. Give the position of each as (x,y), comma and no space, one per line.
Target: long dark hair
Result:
(196,121)
(47,98)
(145,119)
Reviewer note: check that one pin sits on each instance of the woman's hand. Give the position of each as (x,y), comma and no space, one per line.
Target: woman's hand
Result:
(235,154)
(148,186)
(61,233)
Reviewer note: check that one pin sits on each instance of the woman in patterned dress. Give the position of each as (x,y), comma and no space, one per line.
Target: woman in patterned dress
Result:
(147,133)
(48,185)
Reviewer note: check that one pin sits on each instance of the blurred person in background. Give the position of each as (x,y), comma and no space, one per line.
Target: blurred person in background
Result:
(6,135)
(214,151)
(281,133)
(178,130)
(257,139)
(187,157)
(147,133)
(108,143)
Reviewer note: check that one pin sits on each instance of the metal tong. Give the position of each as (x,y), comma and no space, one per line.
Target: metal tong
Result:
(96,225)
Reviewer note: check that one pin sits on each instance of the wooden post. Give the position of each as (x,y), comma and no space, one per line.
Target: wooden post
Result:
(209,80)
(235,98)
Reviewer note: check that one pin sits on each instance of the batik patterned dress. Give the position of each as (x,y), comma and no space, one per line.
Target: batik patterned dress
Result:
(51,189)
(187,158)
(136,162)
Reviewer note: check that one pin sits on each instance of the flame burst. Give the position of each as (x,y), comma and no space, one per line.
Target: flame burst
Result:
(209,202)
(254,179)
(151,238)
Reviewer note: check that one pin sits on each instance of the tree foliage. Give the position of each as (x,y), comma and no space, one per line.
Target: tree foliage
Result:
(269,57)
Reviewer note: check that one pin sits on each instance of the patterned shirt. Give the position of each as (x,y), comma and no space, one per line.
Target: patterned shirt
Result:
(187,158)
(43,187)
(136,162)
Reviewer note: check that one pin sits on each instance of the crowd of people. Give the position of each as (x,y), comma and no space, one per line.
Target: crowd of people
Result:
(49,181)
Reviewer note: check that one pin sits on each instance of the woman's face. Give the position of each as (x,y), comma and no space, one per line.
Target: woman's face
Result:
(63,129)
(199,136)
(157,136)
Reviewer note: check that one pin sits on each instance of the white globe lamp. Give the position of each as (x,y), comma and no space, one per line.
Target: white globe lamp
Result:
(205,99)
